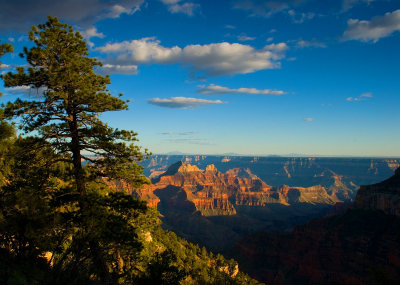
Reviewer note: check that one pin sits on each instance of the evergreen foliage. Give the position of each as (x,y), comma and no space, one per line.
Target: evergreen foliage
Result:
(60,222)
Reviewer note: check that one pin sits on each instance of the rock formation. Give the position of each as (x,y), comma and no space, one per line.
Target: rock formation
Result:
(340,177)
(214,193)
(360,246)
(383,196)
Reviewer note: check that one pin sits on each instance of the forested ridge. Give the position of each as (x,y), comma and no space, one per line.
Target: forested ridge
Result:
(60,223)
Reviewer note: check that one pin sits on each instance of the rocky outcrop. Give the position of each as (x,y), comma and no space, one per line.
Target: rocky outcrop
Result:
(214,193)
(340,177)
(383,196)
(144,193)
(360,246)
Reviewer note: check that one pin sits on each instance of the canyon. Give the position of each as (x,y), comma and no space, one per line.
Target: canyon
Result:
(341,177)
(359,246)
(327,231)
(216,209)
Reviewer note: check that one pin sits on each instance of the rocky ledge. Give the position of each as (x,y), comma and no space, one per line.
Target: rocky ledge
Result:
(383,196)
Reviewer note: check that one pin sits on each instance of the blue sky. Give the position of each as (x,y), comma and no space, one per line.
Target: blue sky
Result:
(246,76)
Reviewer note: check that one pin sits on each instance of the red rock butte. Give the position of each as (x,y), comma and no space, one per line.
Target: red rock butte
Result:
(213,193)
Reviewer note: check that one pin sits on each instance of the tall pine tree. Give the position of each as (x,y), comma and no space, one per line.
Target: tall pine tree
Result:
(67,114)
(95,235)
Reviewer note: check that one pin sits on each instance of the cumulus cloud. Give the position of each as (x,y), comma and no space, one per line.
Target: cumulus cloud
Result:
(373,30)
(214,59)
(308,119)
(22,14)
(119,69)
(182,102)
(175,6)
(216,89)
(90,33)
(266,8)
(362,97)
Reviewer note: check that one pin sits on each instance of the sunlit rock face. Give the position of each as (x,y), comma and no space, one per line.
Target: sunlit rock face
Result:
(214,193)
(341,177)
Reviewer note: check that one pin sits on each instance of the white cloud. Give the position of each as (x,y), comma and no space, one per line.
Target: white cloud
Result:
(4,66)
(373,30)
(214,59)
(313,43)
(119,69)
(90,33)
(83,13)
(308,119)
(362,97)
(186,8)
(174,6)
(216,89)
(182,102)
(244,38)
(117,10)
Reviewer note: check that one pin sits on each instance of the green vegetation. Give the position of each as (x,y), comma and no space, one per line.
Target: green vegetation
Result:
(60,223)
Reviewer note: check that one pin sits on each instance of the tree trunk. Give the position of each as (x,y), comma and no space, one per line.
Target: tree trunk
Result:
(76,155)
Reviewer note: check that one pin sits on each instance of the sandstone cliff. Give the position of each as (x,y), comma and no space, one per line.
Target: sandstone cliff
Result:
(214,193)
(340,177)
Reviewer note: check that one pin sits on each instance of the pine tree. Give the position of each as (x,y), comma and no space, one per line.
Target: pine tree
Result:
(74,96)
(95,234)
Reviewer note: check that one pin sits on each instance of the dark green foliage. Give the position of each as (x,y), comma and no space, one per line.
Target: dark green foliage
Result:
(86,228)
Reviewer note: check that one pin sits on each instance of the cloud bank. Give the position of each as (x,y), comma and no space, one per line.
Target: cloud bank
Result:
(373,30)
(182,102)
(20,15)
(213,59)
(216,89)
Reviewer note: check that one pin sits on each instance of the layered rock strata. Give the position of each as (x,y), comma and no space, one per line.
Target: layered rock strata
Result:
(214,193)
